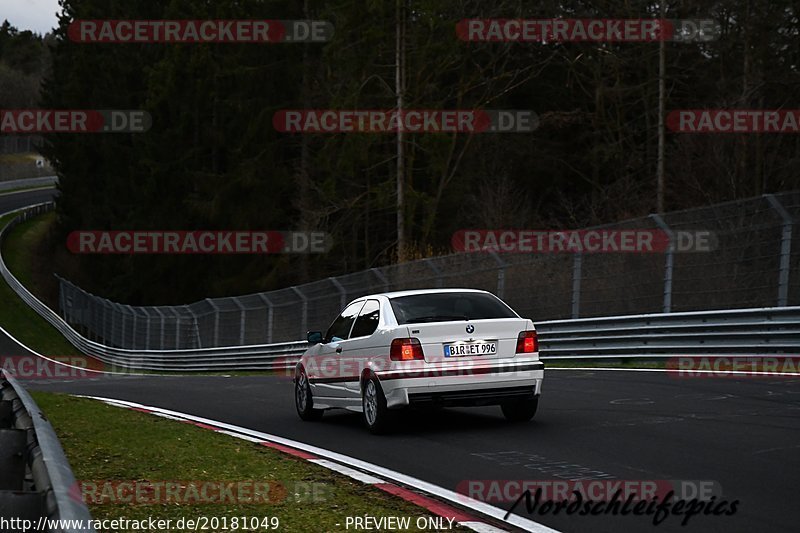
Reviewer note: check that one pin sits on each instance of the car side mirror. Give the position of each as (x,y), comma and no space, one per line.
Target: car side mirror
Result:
(314,337)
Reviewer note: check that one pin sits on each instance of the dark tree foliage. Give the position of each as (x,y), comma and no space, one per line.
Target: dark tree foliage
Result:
(213,160)
(23,61)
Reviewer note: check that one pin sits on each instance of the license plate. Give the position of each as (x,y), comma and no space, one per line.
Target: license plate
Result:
(460,349)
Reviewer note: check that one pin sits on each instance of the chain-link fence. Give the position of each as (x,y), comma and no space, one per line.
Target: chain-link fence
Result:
(756,264)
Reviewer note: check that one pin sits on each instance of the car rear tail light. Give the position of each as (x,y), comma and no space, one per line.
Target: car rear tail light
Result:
(406,350)
(527,342)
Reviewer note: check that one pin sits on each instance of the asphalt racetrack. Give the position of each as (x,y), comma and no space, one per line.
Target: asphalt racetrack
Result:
(741,433)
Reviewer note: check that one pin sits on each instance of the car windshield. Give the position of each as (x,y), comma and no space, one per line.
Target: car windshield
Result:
(449,306)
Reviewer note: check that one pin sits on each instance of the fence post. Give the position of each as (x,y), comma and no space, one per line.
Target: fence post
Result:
(242,313)
(501,273)
(304,321)
(163,324)
(216,321)
(121,313)
(61,299)
(93,329)
(147,328)
(197,335)
(105,331)
(577,275)
(436,271)
(668,261)
(269,316)
(177,327)
(133,327)
(68,308)
(342,292)
(786,250)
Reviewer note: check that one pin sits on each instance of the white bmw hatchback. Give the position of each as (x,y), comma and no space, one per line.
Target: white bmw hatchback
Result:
(440,347)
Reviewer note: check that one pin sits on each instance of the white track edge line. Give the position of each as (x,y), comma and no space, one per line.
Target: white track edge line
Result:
(442,493)
(474,525)
(347,471)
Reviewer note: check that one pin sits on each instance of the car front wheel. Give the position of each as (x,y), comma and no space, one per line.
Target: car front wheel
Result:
(374,407)
(520,410)
(303,400)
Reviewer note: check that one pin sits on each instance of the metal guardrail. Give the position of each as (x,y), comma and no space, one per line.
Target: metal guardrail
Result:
(36,482)
(259,357)
(765,331)
(762,331)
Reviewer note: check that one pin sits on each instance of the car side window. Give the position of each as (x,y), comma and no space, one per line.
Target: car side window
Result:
(340,329)
(367,321)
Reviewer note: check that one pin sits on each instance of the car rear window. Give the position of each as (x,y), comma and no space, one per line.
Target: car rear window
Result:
(449,306)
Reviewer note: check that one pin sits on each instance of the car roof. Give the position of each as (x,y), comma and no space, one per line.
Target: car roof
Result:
(397,294)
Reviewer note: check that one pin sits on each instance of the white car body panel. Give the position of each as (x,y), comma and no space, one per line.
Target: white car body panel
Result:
(335,377)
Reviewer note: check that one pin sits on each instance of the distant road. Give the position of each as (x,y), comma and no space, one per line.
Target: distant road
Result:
(44,181)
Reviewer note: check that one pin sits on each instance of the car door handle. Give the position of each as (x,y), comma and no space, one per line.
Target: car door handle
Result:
(338,349)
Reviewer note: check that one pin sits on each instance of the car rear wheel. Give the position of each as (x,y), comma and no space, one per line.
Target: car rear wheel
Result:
(303,400)
(520,410)
(374,407)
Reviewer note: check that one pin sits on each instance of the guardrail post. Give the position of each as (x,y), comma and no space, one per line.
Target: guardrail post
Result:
(242,312)
(342,292)
(177,328)
(577,274)
(68,309)
(216,320)
(93,329)
(61,298)
(146,328)
(381,277)
(668,261)
(501,273)
(304,321)
(105,331)
(269,316)
(436,271)
(197,335)
(786,250)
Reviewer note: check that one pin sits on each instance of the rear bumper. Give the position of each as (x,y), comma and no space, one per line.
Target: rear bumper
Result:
(471,398)
(489,384)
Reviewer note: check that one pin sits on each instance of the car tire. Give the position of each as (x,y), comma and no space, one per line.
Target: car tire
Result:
(303,401)
(373,404)
(520,410)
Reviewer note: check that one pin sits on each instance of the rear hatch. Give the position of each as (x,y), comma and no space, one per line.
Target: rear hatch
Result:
(472,340)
